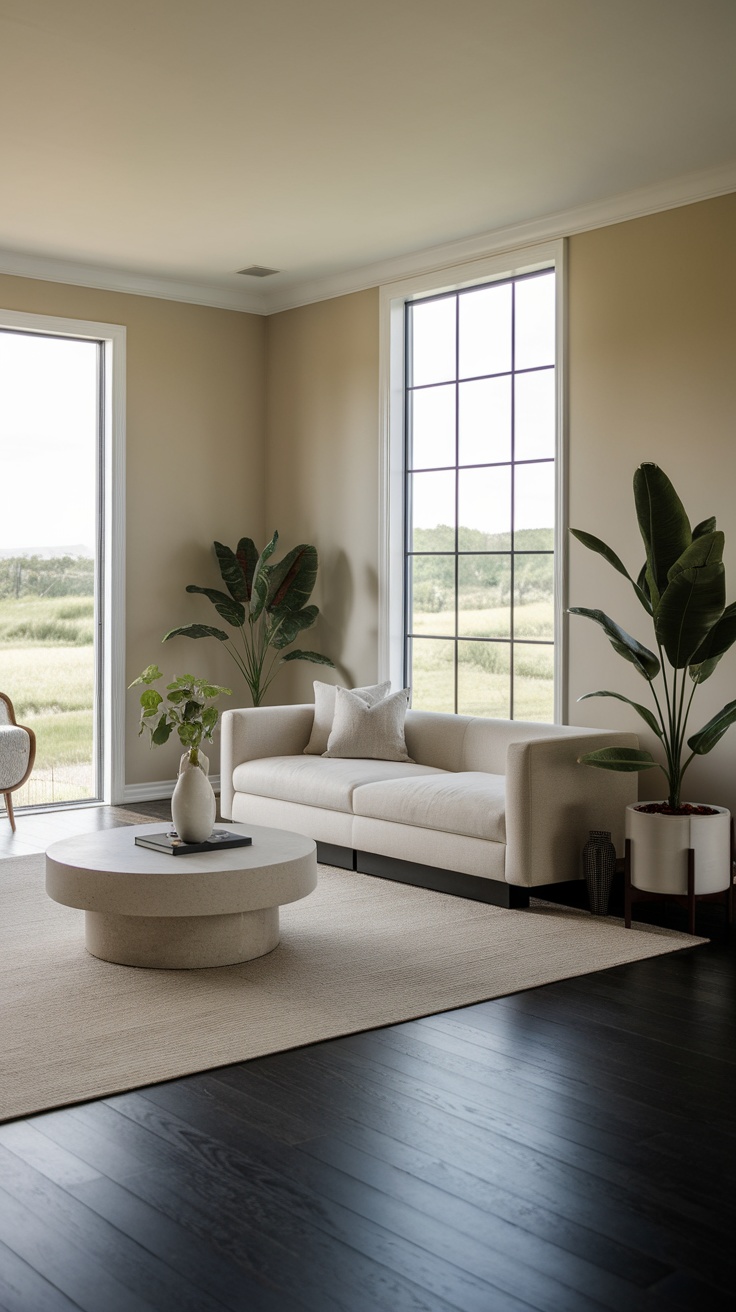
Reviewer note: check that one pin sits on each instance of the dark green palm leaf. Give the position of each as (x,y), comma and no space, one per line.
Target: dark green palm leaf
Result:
(622,642)
(197,631)
(314,656)
(718,641)
(705,526)
(259,593)
(623,759)
(643,711)
(690,606)
(596,544)
(663,523)
(706,738)
(232,574)
(705,550)
(291,582)
(286,626)
(230,610)
(246,553)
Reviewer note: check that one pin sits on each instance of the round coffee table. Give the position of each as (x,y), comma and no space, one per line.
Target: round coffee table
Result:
(145,908)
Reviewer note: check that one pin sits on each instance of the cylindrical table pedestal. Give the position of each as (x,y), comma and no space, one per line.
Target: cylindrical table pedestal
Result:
(181,942)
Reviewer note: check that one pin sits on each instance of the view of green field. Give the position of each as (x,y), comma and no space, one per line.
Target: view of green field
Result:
(484,595)
(47,670)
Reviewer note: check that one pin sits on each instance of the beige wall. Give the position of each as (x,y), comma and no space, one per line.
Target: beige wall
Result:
(652,377)
(322,475)
(194,469)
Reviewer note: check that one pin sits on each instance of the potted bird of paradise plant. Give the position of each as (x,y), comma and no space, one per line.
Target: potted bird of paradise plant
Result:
(266,606)
(681,587)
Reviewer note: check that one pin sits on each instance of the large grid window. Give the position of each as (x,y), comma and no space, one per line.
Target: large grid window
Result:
(480,499)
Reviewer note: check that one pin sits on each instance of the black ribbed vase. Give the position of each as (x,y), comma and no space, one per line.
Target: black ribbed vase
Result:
(599,867)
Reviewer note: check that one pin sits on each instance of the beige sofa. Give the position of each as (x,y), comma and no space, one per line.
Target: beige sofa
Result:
(490,809)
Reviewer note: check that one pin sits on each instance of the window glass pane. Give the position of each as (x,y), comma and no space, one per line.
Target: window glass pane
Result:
(534,415)
(49,410)
(485,421)
(433,341)
(534,612)
(485,330)
(432,674)
(484,596)
(535,321)
(534,693)
(483,680)
(432,427)
(485,506)
(433,594)
(534,506)
(433,511)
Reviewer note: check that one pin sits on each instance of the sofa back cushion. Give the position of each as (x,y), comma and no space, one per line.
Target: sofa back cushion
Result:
(437,739)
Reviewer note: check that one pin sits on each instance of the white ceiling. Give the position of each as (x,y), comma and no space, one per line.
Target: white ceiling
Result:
(185,139)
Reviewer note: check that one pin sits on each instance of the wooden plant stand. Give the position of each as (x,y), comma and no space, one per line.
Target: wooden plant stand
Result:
(687,900)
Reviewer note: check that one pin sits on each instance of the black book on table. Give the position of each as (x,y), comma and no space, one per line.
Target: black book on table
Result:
(172,845)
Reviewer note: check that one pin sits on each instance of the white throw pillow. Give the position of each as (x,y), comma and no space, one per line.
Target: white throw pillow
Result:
(372,732)
(324,711)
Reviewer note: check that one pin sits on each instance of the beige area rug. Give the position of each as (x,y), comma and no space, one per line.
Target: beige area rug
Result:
(356,954)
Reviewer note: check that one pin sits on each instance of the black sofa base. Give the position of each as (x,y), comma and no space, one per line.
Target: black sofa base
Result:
(572,893)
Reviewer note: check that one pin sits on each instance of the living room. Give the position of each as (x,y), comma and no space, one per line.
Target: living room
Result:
(249,409)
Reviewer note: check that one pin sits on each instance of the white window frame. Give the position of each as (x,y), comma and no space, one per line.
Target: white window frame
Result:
(113,339)
(392,376)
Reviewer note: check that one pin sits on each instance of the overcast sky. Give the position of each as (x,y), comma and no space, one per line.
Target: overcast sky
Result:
(48,439)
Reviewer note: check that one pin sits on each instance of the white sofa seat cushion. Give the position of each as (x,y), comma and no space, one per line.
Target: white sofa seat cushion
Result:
(471,802)
(315,781)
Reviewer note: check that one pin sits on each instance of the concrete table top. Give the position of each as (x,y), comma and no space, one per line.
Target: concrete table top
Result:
(147,908)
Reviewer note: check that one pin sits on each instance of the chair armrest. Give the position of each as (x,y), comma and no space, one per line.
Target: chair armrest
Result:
(259,731)
(552,803)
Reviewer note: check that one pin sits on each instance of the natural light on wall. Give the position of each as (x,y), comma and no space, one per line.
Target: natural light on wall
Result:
(480,499)
(49,444)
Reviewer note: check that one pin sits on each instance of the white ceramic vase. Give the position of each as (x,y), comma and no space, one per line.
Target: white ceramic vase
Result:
(659,846)
(193,805)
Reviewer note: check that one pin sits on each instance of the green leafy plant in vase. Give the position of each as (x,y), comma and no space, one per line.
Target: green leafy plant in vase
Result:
(186,708)
(265,604)
(681,588)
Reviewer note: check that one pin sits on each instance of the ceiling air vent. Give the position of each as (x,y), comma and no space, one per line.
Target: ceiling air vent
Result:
(257,271)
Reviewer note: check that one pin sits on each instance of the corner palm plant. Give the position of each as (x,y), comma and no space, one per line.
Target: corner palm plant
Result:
(266,606)
(681,586)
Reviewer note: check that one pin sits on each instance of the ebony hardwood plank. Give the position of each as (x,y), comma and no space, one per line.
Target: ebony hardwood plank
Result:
(61,1214)
(22,1289)
(84,1280)
(292,1198)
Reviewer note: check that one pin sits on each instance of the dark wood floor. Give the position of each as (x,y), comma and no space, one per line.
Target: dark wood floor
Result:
(565,1149)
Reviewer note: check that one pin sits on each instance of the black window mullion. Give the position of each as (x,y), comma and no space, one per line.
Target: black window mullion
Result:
(513,501)
(457,497)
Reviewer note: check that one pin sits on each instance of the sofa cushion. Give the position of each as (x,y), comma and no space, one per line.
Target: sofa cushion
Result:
(324,711)
(369,732)
(471,803)
(314,781)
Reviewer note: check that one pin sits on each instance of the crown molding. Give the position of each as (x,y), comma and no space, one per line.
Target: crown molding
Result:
(685,190)
(47,269)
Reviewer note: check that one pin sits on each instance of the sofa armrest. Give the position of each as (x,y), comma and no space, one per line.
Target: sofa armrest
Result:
(552,803)
(259,731)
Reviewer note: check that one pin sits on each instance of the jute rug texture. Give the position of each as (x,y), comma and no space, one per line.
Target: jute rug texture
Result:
(356,954)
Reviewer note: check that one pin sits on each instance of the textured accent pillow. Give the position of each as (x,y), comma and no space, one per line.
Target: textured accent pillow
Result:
(324,711)
(372,732)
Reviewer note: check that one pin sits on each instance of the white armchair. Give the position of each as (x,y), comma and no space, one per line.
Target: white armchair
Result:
(17,754)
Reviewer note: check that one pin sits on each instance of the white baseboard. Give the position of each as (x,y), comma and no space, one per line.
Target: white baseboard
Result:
(157,791)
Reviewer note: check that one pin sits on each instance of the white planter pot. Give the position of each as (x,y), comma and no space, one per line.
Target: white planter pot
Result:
(659,846)
(193,805)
